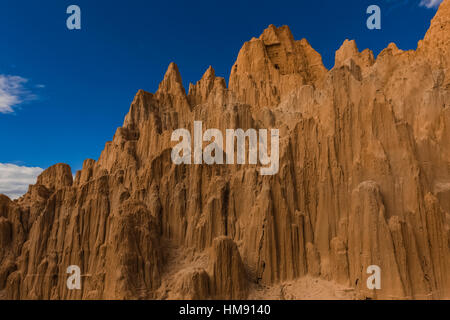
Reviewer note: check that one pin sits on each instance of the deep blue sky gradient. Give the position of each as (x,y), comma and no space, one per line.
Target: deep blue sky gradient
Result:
(92,75)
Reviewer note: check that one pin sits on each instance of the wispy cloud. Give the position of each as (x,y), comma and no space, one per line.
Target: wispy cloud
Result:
(14,180)
(13,92)
(430,3)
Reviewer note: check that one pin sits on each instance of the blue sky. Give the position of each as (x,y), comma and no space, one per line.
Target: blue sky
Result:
(63,93)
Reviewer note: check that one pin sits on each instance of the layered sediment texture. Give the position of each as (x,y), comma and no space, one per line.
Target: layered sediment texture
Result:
(364,179)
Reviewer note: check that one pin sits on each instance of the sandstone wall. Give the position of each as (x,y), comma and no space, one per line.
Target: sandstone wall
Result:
(364,180)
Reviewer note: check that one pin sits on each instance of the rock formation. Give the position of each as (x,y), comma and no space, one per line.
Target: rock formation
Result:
(364,180)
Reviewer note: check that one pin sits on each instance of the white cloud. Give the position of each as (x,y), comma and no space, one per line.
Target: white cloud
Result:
(14,180)
(13,92)
(430,3)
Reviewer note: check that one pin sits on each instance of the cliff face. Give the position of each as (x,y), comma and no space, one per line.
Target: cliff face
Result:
(364,179)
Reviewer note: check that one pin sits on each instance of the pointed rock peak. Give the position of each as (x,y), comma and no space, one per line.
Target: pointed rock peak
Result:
(139,108)
(273,35)
(172,73)
(285,31)
(304,42)
(267,60)
(209,73)
(207,78)
(390,50)
(347,50)
(349,46)
(141,94)
(368,53)
(348,54)
(394,49)
(199,92)
(308,49)
(172,82)
(56,177)
(392,46)
(269,35)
